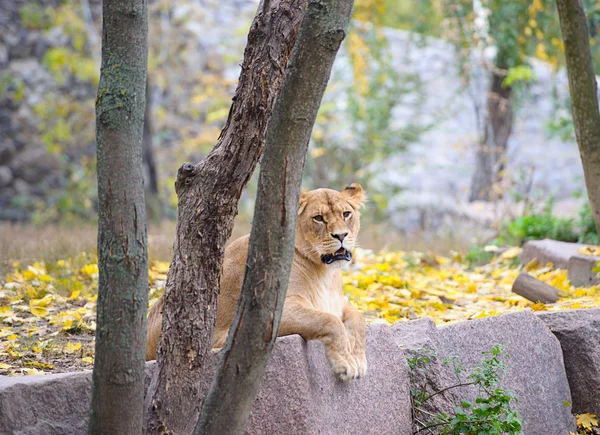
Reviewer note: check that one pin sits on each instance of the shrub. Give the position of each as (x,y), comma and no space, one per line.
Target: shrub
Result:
(490,413)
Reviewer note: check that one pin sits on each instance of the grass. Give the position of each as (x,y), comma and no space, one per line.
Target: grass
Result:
(50,243)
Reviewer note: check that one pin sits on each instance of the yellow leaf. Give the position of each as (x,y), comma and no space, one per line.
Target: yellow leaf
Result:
(318,152)
(4,366)
(590,250)
(511,253)
(539,307)
(74,295)
(72,347)
(12,337)
(88,360)
(587,421)
(37,310)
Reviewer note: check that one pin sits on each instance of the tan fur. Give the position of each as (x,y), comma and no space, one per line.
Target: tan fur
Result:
(315,306)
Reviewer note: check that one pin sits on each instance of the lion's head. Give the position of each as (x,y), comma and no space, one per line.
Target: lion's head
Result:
(328,224)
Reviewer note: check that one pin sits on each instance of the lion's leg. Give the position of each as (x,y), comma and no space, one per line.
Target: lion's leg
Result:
(153,329)
(357,330)
(300,318)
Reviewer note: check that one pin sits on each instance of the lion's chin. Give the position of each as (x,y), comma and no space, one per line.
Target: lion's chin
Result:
(341,254)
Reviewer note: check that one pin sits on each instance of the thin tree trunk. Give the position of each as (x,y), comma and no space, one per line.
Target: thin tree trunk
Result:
(151,183)
(118,378)
(490,155)
(208,196)
(584,96)
(271,249)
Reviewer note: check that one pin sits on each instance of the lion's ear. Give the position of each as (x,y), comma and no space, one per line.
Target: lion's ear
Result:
(302,202)
(355,195)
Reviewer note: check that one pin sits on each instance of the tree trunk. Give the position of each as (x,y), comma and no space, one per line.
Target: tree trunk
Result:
(118,378)
(208,196)
(534,290)
(271,249)
(584,96)
(151,180)
(490,155)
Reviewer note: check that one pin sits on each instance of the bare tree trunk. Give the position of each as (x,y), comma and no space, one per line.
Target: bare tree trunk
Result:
(271,251)
(490,156)
(208,196)
(118,378)
(584,96)
(151,183)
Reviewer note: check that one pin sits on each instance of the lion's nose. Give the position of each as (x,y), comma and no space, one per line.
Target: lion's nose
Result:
(339,236)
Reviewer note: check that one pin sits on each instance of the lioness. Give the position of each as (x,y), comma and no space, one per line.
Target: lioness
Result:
(315,306)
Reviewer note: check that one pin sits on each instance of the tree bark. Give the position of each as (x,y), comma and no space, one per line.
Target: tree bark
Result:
(271,249)
(151,181)
(118,377)
(584,96)
(490,155)
(534,290)
(208,196)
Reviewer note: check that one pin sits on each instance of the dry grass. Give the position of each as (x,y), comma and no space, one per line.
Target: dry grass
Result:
(28,243)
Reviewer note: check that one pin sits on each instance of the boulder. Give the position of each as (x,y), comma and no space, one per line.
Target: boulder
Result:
(6,176)
(534,371)
(298,394)
(579,334)
(33,164)
(549,251)
(581,270)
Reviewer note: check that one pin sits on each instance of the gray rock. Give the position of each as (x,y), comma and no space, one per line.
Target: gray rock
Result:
(21,187)
(579,334)
(581,270)
(298,394)
(534,371)
(6,176)
(33,164)
(420,338)
(3,55)
(7,151)
(549,251)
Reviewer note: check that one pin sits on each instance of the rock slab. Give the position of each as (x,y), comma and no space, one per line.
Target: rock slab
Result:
(534,371)
(564,256)
(549,251)
(298,394)
(579,334)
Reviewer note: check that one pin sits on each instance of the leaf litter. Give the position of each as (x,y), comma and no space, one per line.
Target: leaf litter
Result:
(48,311)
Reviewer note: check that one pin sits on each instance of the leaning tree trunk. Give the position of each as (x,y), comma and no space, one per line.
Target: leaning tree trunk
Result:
(584,96)
(490,155)
(208,196)
(118,378)
(271,251)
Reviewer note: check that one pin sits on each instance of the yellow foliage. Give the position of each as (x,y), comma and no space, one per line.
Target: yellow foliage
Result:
(587,421)
(387,287)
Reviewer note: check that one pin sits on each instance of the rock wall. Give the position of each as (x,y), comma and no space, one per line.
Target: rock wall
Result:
(299,393)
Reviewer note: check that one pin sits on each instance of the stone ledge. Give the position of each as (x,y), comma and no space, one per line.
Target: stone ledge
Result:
(298,394)
(535,371)
(579,334)
(564,256)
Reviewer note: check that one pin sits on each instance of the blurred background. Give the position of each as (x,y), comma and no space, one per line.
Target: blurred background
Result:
(454,115)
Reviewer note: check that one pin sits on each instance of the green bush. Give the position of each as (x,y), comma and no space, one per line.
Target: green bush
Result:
(492,411)
(545,225)
(588,233)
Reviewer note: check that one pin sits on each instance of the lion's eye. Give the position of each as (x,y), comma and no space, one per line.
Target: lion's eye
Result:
(318,218)
(347,214)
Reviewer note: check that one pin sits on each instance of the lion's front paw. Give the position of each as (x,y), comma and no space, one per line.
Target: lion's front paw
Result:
(344,364)
(361,360)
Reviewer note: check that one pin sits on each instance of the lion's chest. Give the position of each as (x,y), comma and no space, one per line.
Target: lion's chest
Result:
(327,298)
